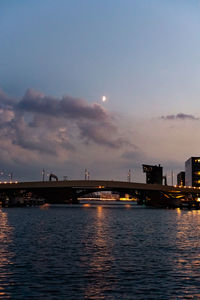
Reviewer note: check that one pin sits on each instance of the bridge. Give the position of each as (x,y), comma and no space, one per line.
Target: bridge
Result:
(69,192)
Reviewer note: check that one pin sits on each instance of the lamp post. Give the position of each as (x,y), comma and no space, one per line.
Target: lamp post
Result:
(43,174)
(87,175)
(129,176)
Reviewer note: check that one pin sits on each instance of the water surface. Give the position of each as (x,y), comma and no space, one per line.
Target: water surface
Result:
(99,252)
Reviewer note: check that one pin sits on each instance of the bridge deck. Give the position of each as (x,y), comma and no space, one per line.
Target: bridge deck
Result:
(99,184)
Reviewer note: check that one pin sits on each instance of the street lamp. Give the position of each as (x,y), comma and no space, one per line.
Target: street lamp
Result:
(129,176)
(43,174)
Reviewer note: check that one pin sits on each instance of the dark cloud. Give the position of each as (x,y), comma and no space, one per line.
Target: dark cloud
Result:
(101,135)
(46,125)
(66,107)
(180,116)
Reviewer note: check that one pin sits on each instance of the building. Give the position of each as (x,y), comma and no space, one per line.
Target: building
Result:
(154,174)
(192,172)
(181,178)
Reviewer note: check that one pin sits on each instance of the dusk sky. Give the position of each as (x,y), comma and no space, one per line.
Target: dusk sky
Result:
(59,58)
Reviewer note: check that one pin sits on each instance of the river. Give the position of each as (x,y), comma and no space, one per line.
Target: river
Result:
(99,251)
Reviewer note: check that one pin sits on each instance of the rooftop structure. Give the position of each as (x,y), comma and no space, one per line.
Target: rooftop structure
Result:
(154,174)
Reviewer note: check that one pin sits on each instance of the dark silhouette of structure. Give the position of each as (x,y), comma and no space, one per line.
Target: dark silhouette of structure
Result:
(70,191)
(154,174)
(165,179)
(51,176)
(181,178)
(192,172)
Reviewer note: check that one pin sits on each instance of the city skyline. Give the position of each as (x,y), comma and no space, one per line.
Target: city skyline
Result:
(58,61)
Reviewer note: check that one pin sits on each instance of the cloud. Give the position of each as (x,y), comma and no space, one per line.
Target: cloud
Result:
(5,100)
(66,107)
(44,125)
(180,116)
(101,135)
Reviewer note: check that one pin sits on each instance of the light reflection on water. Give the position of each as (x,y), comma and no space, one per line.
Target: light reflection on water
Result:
(187,260)
(99,252)
(5,254)
(100,259)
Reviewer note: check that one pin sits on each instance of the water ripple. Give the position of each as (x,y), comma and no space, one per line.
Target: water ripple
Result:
(99,252)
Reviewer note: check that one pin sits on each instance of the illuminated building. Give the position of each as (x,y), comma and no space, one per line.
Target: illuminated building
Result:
(192,172)
(154,174)
(181,178)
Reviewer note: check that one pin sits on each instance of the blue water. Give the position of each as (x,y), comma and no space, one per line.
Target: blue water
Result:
(99,252)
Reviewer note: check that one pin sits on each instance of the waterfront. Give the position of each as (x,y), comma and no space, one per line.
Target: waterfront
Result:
(99,251)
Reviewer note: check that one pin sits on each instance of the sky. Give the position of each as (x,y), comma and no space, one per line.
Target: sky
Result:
(59,58)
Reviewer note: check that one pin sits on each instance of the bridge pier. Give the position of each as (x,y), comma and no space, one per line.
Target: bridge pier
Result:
(160,200)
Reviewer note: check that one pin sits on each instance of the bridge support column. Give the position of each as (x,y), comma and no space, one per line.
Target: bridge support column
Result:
(158,199)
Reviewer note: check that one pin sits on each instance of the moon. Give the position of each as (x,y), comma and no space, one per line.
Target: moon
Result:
(104,98)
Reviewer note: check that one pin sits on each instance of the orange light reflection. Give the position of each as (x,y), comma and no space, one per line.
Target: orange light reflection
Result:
(100,260)
(128,206)
(86,205)
(5,255)
(45,206)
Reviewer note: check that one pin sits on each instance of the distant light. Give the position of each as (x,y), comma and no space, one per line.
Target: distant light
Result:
(104,98)
(86,205)
(45,205)
(128,206)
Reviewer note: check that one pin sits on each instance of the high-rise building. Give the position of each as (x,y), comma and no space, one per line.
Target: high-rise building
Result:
(154,174)
(181,178)
(192,172)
